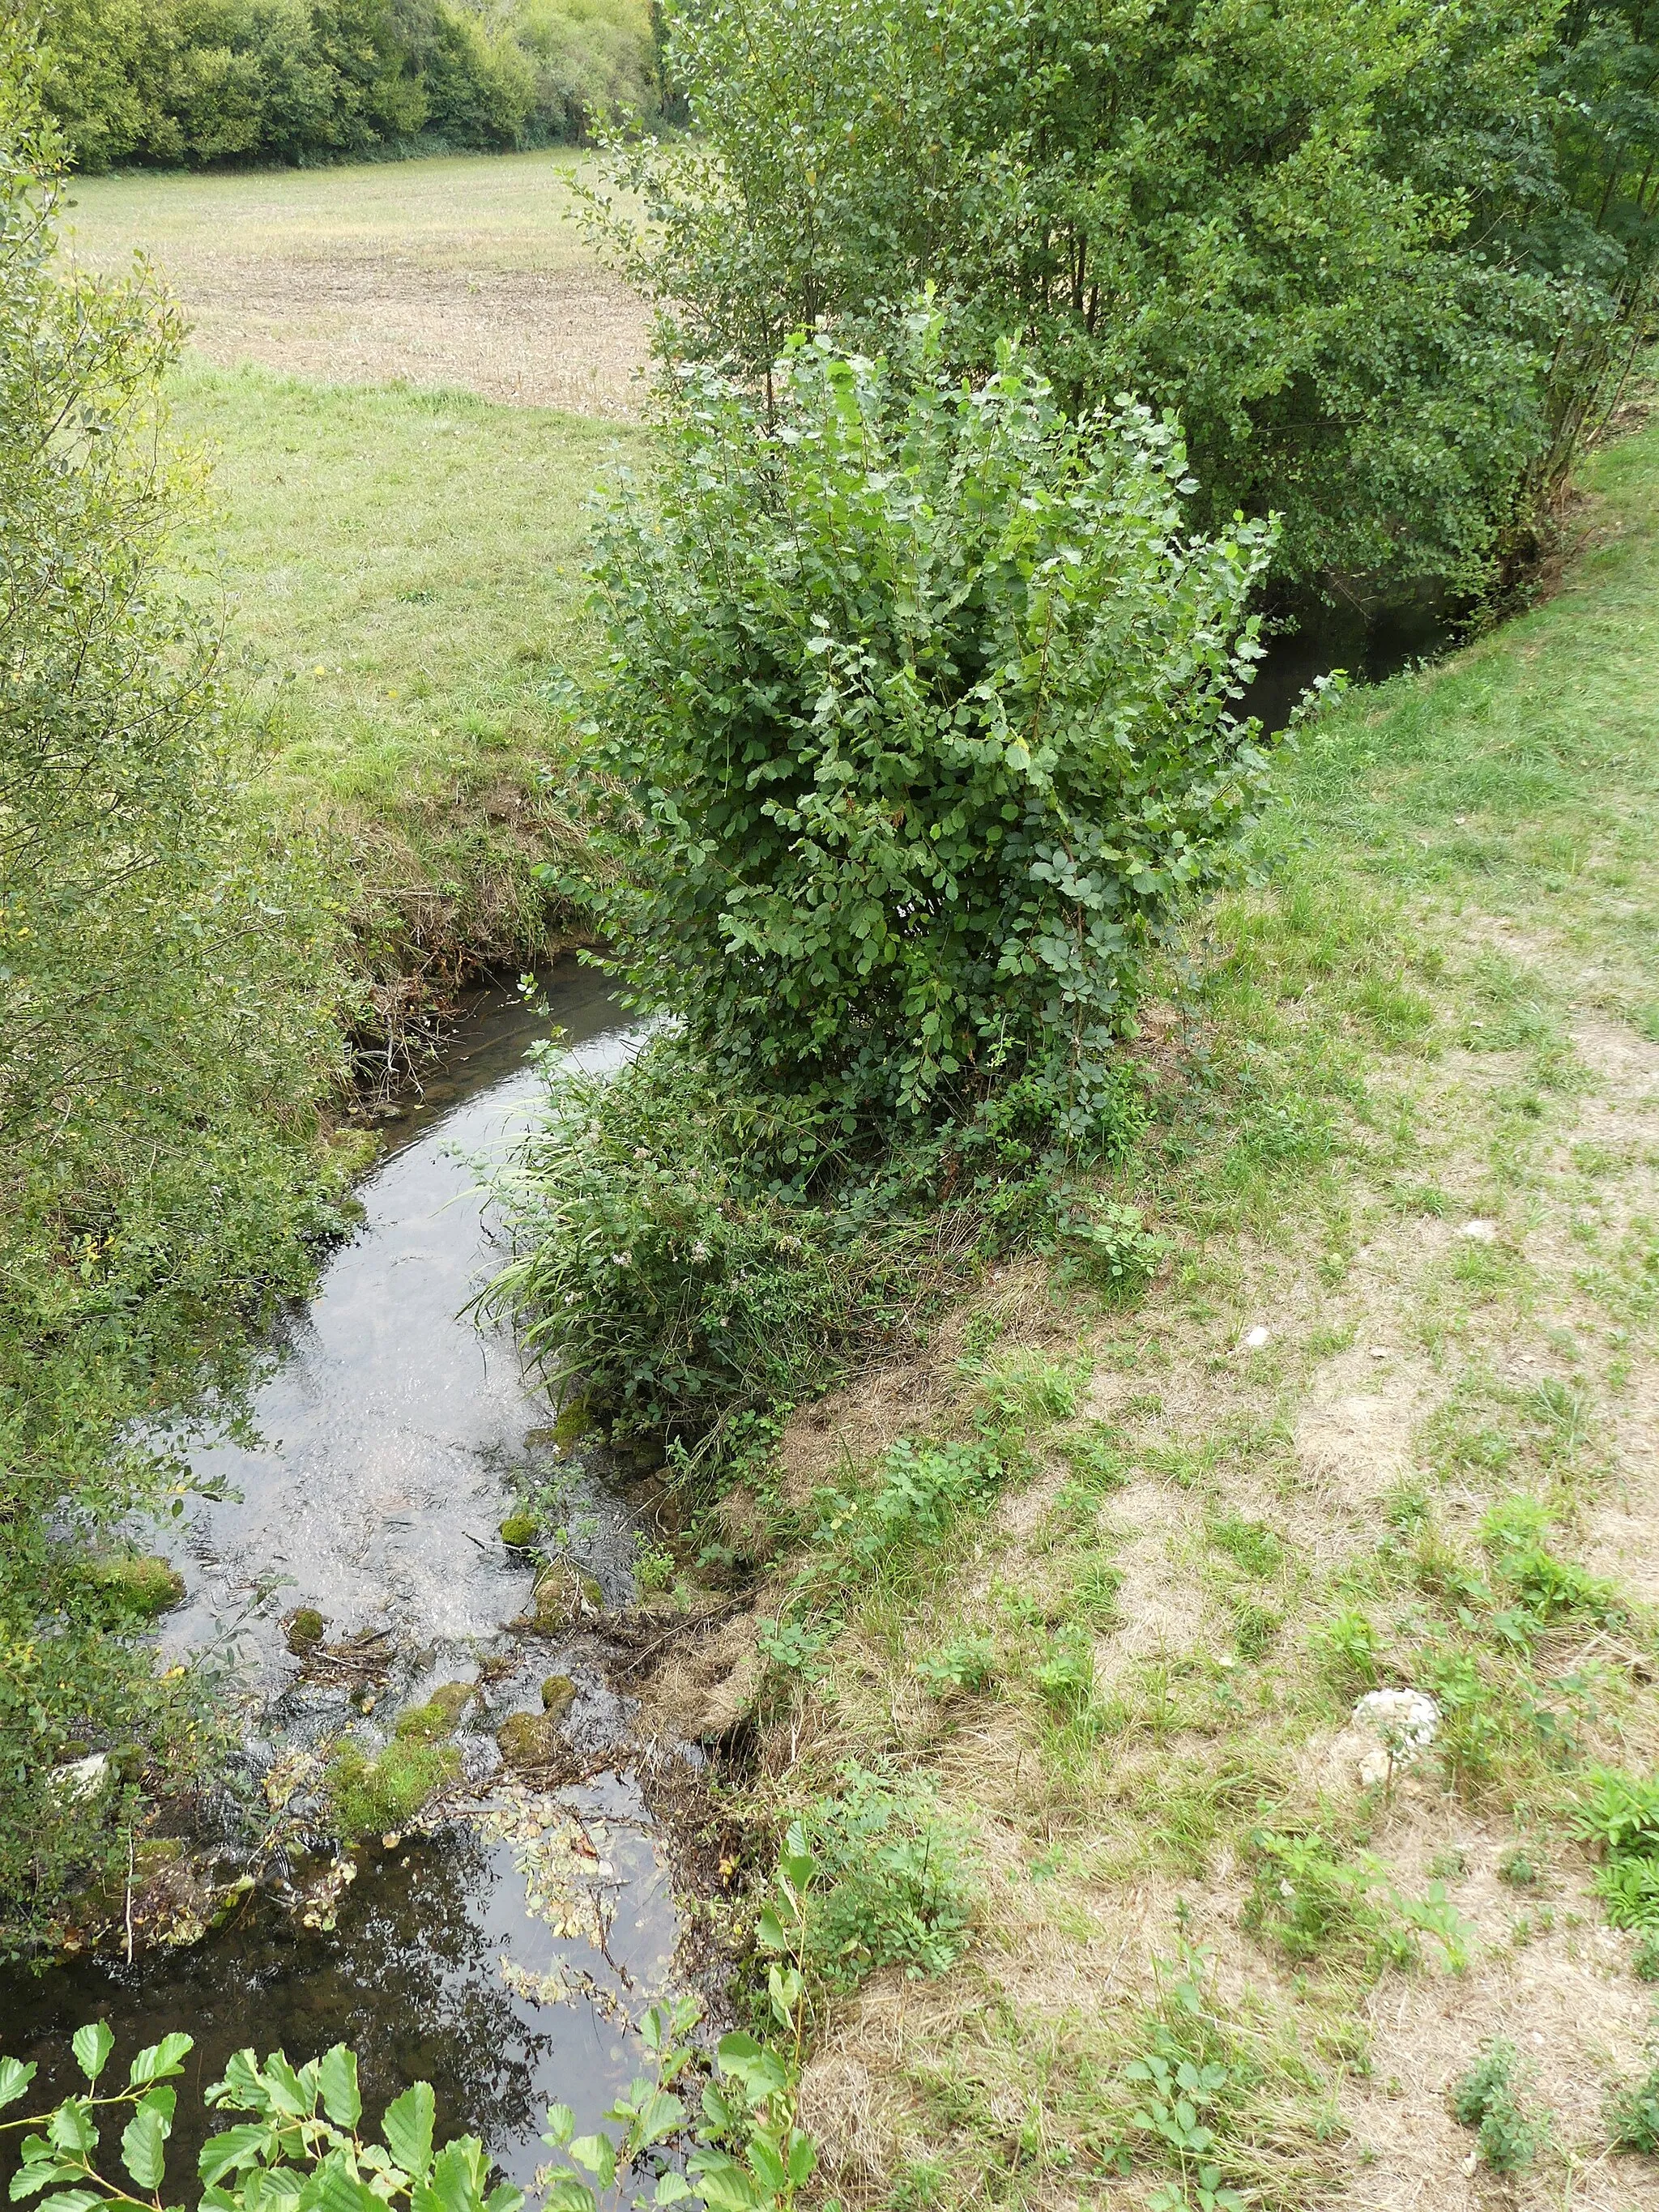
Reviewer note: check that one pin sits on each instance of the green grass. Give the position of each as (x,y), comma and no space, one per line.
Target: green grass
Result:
(494,214)
(401,579)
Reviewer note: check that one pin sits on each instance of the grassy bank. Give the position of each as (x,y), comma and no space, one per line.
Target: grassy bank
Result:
(1070,1616)
(400,580)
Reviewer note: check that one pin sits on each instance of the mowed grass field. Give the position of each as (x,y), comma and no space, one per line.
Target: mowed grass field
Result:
(395,518)
(464,271)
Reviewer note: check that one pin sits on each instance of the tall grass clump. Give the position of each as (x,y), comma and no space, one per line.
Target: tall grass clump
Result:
(918,721)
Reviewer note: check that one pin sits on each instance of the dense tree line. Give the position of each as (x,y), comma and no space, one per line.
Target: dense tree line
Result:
(1386,262)
(202,81)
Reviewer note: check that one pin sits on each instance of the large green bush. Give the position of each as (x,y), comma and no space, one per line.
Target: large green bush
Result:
(1369,254)
(922,715)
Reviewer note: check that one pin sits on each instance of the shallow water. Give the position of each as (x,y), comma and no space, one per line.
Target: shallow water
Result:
(502,1957)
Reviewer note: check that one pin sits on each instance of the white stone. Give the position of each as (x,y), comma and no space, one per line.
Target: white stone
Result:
(1403,1721)
(81,1779)
(1479,1232)
(1255,1339)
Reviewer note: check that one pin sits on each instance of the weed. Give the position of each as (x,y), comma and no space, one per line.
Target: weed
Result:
(1065,1677)
(896,1882)
(1520,1868)
(1346,1647)
(919,1493)
(1094,1594)
(1645,1959)
(1025,1392)
(1113,1250)
(1255,1627)
(654,1567)
(1097,1458)
(1632,2113)
(1487,2099)
(968,1664)
(1315,1904)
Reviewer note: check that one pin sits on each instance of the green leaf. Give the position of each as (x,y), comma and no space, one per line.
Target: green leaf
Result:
(15,2074)
(71,2200)
(671,2188)
(761,2074)
(70,2128)
(238,2147)
(38,2174)
(566,2194)
(504,2197)
(339,2190)
(458,2174)
(769,1931)
(240,2087)
(408,2129)
(560,2126)
(285,2089)
(143,2147)
(161,2059)
(599,2154)
(337,2074)
(92,2045)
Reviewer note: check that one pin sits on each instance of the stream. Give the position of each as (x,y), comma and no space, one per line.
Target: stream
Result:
(502,1956)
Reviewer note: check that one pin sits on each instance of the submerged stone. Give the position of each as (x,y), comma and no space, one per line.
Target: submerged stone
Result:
(528,1740)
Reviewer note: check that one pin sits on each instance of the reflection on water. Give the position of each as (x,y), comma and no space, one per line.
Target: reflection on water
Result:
(389,1437)
(411,1977)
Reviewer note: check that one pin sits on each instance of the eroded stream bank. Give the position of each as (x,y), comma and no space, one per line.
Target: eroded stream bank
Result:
(503,1954)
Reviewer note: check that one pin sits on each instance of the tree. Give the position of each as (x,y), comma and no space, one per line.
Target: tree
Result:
(1293,224)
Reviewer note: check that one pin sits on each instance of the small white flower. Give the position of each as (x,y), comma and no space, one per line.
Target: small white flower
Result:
(619,1259)
(700,1251)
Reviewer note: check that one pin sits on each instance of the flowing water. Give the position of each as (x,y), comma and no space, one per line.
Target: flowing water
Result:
(502,1956)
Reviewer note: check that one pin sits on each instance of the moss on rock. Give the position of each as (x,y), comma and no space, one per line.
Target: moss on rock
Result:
(137,1582)
(372,1796)
(558,1695)
(304,1631)
(436,1718)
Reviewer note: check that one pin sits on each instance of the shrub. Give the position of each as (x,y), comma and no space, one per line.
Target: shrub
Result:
(919,718)
(969,1663)
(163,1039)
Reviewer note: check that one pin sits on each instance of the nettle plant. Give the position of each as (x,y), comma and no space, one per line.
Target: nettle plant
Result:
(919,718)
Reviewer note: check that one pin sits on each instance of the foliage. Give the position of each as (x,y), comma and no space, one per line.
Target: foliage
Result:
(895,1878)
(1486,2098)
(205,81)
(303,2142)
(304,2136)
(919,718)
(1176,2094)
(919,1492)
(1134,191)
(1632,2111)
(162,1044)
(687,1275)
(1315,1902)
(1619,1813)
